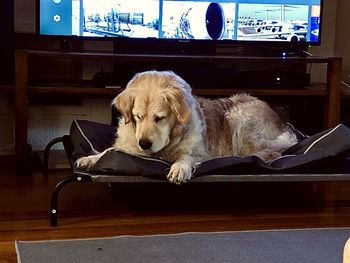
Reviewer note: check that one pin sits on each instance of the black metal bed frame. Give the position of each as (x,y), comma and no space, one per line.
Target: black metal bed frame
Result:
(79,176)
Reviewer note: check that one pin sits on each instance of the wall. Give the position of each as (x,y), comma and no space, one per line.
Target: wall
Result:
(342,37)
(327,40)
(48,122)
(6,43)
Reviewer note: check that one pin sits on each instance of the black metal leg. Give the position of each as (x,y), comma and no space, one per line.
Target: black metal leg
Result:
(46,154)
(54,197)
(57,190)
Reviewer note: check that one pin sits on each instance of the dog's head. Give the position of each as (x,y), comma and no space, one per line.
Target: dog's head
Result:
(156,104)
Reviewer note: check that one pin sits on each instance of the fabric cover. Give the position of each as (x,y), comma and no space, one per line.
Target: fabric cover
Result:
(324,152)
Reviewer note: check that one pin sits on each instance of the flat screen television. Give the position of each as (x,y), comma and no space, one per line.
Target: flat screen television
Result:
(172,22)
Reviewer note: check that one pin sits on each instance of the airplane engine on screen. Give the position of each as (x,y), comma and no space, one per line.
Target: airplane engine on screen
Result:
(204,22)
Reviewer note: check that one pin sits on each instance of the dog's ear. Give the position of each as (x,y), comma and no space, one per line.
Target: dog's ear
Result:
(179,106)
(124,102)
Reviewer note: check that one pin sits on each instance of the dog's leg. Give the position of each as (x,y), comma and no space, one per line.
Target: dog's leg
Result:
(88,161)
(181,170)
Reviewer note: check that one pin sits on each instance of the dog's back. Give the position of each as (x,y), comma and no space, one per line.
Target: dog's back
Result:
(244,125)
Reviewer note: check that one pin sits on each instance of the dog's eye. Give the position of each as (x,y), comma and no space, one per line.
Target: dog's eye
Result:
(158,118)
(138,117)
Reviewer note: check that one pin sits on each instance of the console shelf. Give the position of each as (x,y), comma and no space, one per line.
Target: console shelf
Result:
(174,58)
(86,90)
(331,91)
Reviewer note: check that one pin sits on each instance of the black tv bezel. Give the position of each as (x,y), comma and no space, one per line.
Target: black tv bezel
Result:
(180,46)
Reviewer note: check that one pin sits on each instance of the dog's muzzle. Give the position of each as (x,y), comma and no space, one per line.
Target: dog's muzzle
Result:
(145,144)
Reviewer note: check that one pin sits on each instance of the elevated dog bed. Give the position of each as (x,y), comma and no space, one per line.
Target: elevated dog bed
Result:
(322,157)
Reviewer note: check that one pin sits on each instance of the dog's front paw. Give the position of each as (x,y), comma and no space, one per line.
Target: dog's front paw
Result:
(87,162)
(179,173)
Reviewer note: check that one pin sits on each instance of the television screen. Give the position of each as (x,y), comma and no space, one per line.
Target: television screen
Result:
(220,20)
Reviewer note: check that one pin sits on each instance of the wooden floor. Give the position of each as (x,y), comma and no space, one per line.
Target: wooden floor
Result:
(98,210)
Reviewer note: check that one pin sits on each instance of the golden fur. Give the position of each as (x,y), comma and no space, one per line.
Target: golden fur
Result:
(162,119)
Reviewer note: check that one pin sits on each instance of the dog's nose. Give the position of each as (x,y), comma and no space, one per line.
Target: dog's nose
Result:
(145,144)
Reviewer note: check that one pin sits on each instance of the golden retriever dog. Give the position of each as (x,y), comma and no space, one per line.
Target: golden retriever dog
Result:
(162,119)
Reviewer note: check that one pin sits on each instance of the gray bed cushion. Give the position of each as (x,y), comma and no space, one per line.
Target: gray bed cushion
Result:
(324,152)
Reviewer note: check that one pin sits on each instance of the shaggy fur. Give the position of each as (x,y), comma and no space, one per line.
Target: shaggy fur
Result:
(162,119)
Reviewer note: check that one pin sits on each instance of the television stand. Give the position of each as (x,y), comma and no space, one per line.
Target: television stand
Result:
(330,92)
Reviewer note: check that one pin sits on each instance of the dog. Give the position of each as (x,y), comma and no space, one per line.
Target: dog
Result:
(162,119)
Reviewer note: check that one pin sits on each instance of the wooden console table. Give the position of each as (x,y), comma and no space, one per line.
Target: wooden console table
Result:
(331,92)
